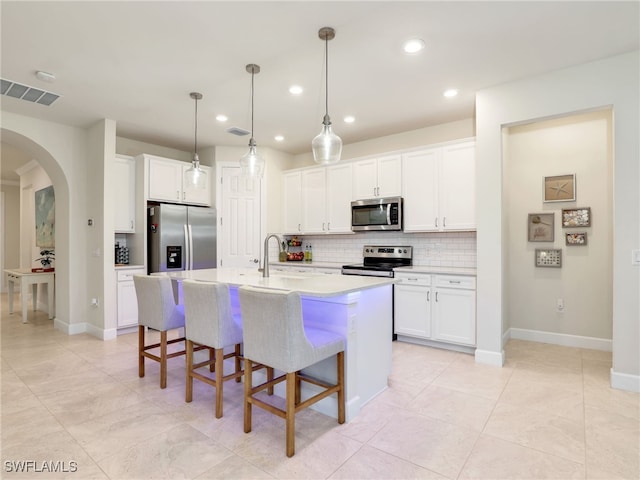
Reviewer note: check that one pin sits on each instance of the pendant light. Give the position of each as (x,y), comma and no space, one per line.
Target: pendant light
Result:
(252,164)
(327,146)
(195,178)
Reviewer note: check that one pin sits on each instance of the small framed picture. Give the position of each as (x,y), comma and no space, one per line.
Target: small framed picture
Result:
(576,239)
(540,227)
(560,188)
(576,217)
(548,257)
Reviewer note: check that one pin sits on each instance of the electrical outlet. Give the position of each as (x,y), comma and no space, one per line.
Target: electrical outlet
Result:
(560,305)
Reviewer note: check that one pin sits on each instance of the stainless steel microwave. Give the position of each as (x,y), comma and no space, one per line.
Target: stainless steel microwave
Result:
(376,214)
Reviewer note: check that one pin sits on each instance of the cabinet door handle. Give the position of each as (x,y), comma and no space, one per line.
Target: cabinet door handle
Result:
(436,296)
(328,226)
(131,224)
(177,194)
(428,295)
(444,222)
(436,222)
(323,226)
(298,227)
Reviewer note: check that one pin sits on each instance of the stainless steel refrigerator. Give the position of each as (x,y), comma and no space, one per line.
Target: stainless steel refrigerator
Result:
(181,237)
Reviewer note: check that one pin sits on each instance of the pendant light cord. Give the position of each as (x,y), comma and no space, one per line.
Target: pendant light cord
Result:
(326,76)
(195,142)
(253,70)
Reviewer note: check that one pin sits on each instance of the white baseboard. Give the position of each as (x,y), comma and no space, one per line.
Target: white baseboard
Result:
(625,381)
(69,328)
(102,333)
(487,357)
(505,337)
(563,339)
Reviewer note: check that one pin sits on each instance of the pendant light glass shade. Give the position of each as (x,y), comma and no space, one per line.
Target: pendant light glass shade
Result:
(195,178)
(252,163)
(327,146)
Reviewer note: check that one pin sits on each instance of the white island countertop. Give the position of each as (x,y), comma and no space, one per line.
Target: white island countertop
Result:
(309,284)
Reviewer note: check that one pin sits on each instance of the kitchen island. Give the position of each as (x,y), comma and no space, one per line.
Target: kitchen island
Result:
(358,308)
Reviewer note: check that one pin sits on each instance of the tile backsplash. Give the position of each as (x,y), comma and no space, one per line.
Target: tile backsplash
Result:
(451,249)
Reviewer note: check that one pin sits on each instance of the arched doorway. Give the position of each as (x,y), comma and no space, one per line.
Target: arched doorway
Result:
(60,184)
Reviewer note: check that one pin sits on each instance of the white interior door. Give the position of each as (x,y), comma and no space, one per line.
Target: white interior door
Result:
(239,220)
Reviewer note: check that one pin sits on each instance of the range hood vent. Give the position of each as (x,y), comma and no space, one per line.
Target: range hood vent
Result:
(27,93)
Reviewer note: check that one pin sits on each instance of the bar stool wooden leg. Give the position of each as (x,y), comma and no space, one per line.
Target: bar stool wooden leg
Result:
(141,351)
(212,359)
(238,356)
(189,357)
(290,417)
(269,379)
(163,359)
(219,381)
(248,374)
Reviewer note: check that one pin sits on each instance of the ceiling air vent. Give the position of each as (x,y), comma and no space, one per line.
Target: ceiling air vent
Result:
(25,92)
(241,132)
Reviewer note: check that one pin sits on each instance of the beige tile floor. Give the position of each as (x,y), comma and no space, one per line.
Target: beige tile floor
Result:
(549,413)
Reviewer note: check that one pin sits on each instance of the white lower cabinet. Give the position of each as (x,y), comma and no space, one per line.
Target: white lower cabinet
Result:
(126,297)
(436,307)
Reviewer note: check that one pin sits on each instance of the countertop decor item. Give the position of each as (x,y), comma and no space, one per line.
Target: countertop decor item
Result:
(195,177)
(252,163)
(326,146)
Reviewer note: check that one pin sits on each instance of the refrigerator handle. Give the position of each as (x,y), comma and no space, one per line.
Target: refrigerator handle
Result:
(190,247)
(187,251)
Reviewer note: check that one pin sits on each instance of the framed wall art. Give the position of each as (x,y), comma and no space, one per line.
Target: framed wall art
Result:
(560,188)
(576,217)
(551,257)
(540,227)
(45,214)
(576,239)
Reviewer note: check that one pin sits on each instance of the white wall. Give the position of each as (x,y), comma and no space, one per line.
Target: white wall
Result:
(11,228)
(609,82)
(578,144)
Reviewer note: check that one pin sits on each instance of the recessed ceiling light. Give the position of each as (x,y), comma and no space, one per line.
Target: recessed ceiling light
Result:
(349,119)
(279,138)
(295,90)
(222,118)
(450,93)
(413,46)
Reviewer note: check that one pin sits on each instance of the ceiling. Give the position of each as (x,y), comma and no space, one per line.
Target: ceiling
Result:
(137,62)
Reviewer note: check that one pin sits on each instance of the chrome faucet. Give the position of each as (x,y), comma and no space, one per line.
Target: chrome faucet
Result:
(265,267)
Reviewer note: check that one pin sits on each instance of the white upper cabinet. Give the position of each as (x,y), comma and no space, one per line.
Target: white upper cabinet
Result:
(292,187)
(318,200)
(377,177)
(314,200)
(457,192)
(165,182)
(339,188)
(124,181)
(438,186)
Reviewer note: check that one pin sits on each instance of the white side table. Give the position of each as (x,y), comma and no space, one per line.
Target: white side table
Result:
(26,277)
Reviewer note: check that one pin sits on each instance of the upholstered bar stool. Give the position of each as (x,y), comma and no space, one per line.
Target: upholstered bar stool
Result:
(274,335)
(157,310)
(209,322)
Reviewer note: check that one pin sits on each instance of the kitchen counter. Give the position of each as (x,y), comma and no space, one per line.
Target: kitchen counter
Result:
(335,265)
(124,266)
(437,270)
(307,284)
(360,309)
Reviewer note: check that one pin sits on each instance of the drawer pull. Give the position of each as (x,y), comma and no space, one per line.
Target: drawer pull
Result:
(412,279)
(457,282)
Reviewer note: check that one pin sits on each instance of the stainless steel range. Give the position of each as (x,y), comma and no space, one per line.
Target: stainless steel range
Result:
(379,261)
